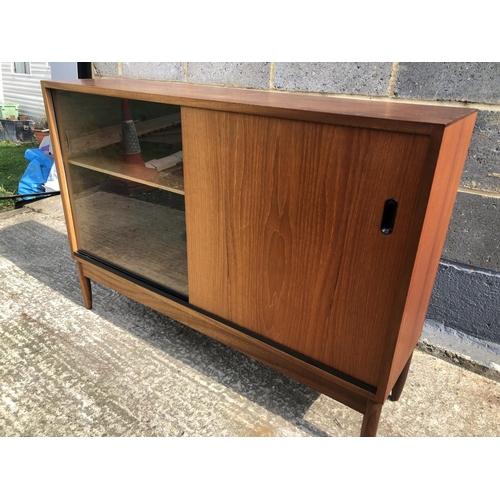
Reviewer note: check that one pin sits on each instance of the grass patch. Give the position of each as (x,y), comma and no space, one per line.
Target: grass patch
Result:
(13,164)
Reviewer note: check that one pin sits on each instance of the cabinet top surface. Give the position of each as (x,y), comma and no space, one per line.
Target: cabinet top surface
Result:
(347,111)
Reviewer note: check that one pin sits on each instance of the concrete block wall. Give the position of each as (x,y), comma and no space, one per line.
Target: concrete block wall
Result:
(466,294)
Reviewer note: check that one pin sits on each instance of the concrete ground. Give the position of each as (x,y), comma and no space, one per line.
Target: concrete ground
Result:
(122,369)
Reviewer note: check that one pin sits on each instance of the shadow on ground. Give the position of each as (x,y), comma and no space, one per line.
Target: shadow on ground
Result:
(43,253)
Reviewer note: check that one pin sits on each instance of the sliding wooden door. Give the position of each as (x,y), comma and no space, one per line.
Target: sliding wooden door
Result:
(284,230)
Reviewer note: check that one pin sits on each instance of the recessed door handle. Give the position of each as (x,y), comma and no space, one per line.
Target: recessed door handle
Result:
(389,216)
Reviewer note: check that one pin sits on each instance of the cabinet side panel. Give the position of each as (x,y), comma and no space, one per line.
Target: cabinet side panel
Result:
(451,159)
(284,231)
(57,147)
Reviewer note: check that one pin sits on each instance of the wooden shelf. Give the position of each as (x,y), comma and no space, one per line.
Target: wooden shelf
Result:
(168,180)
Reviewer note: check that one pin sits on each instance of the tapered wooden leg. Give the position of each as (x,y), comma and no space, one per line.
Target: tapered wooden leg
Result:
(86,288)
(400,382)
(371,418)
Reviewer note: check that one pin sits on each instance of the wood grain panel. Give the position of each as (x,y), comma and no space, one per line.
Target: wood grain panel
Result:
(450,162)
(283,223)
(59,157)
(414,118)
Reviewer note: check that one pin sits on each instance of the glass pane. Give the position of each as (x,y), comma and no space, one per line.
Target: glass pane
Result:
(138,228)
(125,176)
(22,68)
(135,140)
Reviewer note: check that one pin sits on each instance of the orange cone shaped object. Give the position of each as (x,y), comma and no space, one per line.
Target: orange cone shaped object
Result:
(130,142)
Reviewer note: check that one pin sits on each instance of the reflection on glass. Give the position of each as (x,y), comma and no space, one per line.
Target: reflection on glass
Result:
(125,176)
(143,231)
(135,140)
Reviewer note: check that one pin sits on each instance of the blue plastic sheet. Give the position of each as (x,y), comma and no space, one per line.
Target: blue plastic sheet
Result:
(36,174)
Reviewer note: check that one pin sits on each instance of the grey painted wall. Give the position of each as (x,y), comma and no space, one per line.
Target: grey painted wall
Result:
(467,292)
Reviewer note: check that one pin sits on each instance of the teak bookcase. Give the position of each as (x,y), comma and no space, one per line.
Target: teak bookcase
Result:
(304,231)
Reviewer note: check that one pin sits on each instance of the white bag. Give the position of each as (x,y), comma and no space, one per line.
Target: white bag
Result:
(52,183)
